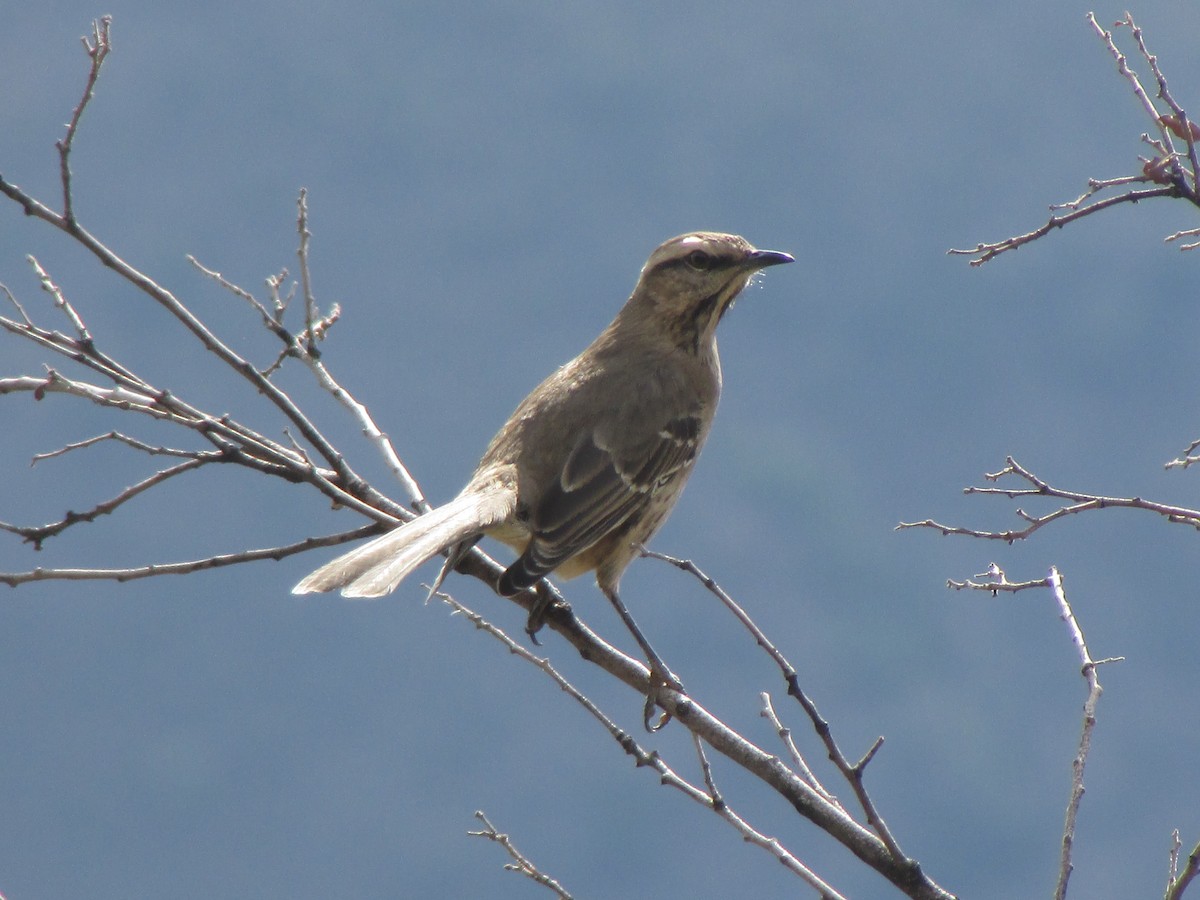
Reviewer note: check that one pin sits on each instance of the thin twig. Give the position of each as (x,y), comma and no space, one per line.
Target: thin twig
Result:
(133,393)
(306,350)
(83,348)
(60,301)
(1131,76)
(119,438)
(1173,178)
(1079,502)
(388,518)
(97,50)
(714,794)
(667,776)
(346,476)
(240,444)
(308,353)
(269,319)
(1095,185)
(1189,245)
(306,291)
(852,772)
(280,302)
(1189,456)
(220,431)
(1180,120)
(799,763)
(1177,882)
(16,305)
(12,579)
(371,431)
(117,398)
(985,252)
(38,534)
(995,581)
(1088,670)
(521,863)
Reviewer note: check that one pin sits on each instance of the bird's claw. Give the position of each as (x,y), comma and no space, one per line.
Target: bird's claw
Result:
(660,679)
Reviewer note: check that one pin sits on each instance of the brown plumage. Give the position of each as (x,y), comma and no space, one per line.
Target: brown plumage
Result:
(592,461)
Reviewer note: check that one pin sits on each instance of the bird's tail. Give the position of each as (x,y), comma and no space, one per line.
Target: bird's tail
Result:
(377,567)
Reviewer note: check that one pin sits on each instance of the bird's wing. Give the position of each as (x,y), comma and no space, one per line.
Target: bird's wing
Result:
(603,483)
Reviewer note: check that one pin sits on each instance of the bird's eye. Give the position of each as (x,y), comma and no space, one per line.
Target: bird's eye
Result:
(699,260)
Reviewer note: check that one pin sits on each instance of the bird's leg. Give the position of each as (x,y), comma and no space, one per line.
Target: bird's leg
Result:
(660,675)
(544,599)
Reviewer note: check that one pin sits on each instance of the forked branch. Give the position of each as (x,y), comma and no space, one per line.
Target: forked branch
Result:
(1079,502)
(995,582)
(1174,173)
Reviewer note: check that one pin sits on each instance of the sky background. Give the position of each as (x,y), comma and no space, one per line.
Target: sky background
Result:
(485,182)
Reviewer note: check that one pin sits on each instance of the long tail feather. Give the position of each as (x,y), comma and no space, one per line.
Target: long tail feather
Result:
(377,567)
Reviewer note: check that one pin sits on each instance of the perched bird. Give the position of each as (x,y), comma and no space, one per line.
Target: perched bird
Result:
(590,464)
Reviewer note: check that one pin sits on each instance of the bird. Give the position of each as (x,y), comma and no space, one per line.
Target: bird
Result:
(590,464)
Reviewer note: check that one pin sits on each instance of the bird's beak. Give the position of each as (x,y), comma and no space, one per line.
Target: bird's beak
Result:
(760,259)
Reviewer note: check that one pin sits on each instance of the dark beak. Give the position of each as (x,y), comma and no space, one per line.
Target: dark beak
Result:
(760,259)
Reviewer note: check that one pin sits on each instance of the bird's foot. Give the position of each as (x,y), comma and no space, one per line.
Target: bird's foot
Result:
(545,600)
(661,679)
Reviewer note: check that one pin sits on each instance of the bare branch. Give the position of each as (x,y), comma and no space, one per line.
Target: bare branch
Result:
(270,319)
(985,252)
(370,430)
(120,438)
(12,579)
(37,534)
(1088,670)
(785,734)
(714,794)
(280,302)
(235,442)
(1095,185)
(1080,502)
(132,393)
(1129,75)
(82,348)
(521,863)
(308,352)
(244,445)
(1165,169)
(321,479)
(669,777)
(310,301)
(1191,245)
(1177,882)
(995,582)
(1189,456)
(346,476)
(97,50)
(117,398)
(1179,124)
(60,301)
(16,305)
(852,773)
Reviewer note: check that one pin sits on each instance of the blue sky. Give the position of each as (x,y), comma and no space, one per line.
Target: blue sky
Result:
(485,181)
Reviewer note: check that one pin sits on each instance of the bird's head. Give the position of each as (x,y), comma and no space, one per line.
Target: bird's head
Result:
(690,281)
